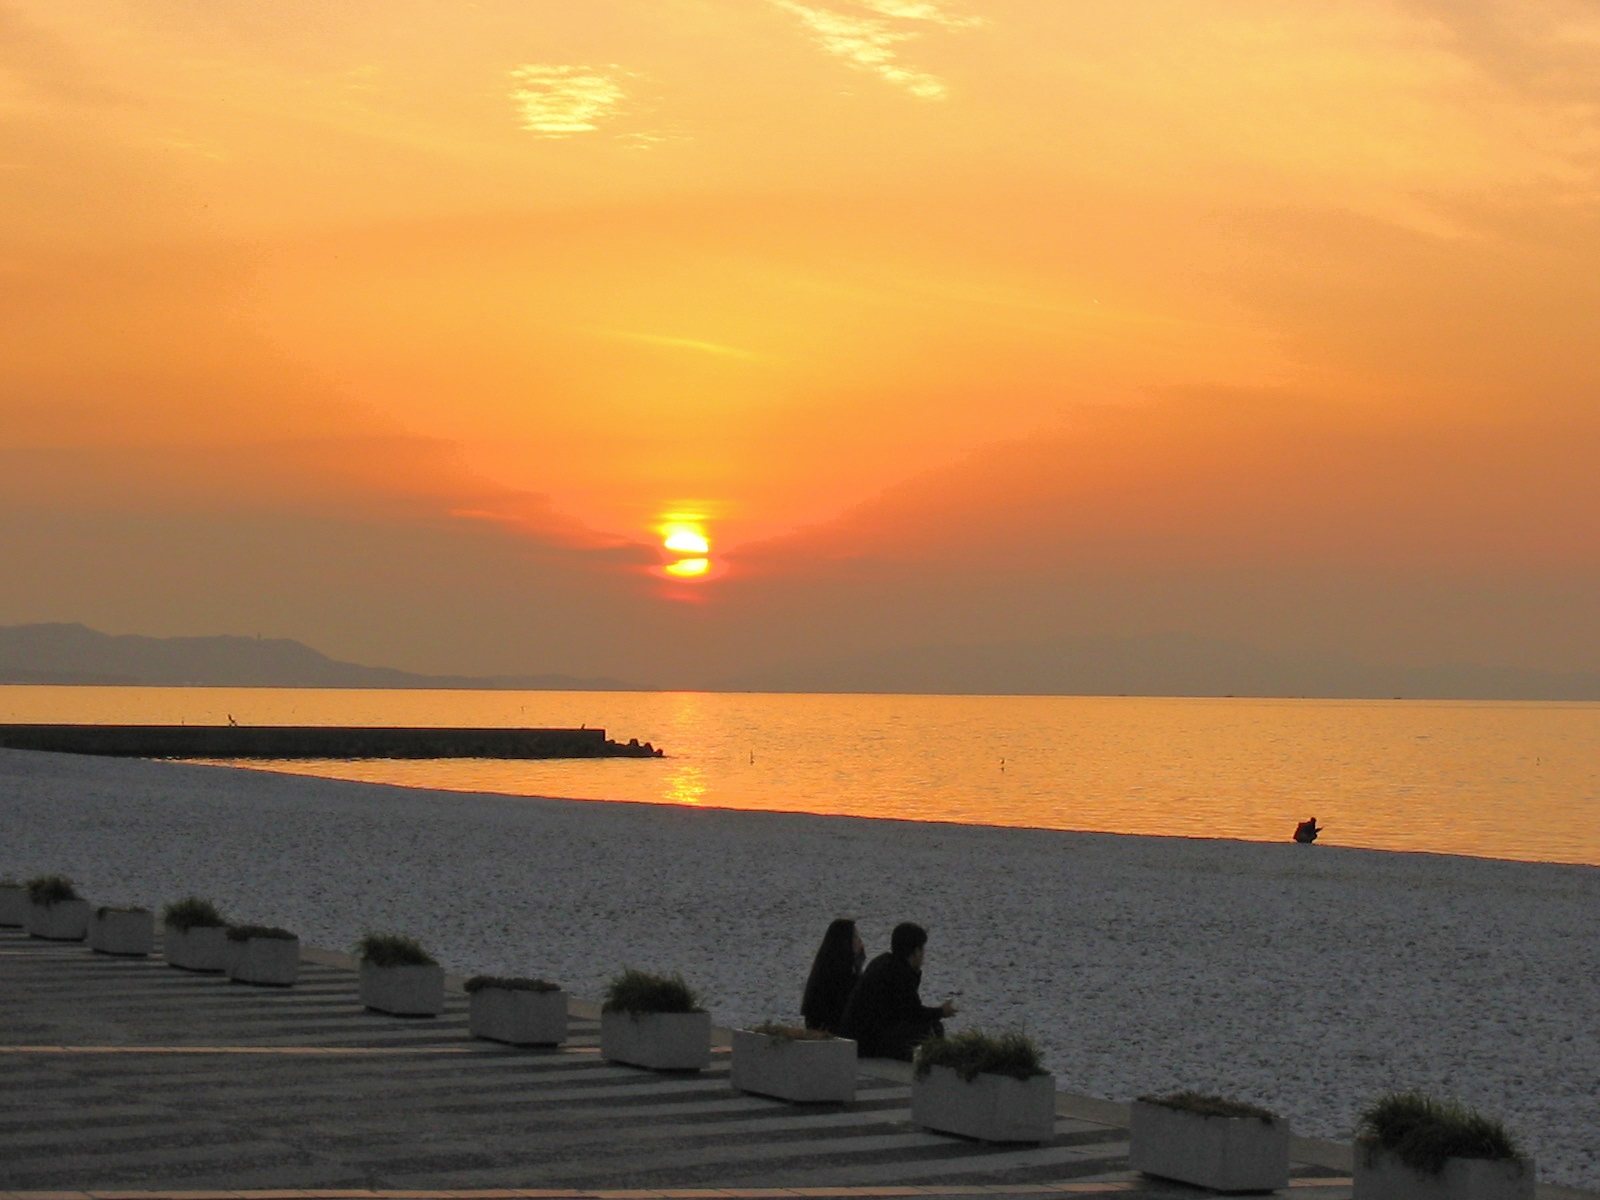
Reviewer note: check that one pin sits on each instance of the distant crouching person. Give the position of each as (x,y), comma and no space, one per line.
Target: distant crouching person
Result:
(834,972)
(885,1015)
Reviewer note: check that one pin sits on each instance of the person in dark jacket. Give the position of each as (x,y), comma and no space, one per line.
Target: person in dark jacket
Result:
(885,1015)
(834,972)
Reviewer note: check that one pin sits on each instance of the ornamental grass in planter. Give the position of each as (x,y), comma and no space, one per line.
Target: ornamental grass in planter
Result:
(519,1012)
(55,910)
(1211,1142)
(13,903)
(263,955)
(399,977)
(985,1086)
(654,1021)
(130,932)
(1413,1146)
(789,1062)
(194,935)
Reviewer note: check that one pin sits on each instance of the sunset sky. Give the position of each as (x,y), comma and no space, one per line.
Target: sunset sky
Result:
(412,329)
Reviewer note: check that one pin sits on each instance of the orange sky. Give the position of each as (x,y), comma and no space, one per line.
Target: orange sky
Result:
(401,326)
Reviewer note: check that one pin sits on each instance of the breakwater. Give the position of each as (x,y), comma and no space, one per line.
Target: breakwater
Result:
(318,741)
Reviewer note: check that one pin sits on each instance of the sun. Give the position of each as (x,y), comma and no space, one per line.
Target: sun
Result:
(684,538)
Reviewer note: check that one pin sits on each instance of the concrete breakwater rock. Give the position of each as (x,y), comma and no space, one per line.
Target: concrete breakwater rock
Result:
(318,741)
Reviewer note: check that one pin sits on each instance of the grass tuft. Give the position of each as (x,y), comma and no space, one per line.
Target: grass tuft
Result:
(243,933)
(392,950)
(972,1053)
(642,992)
(51,889)
(191,912)
(1423,1132)
(511,984)
(1211,1106)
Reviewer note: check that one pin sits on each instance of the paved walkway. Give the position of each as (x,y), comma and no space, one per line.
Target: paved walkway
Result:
(122,1079)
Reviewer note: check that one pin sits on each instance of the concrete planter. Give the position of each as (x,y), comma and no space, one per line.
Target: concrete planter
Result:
(802,1071)
(1379,1175)
(414,990)
(518,1016)
(264,961)
(990,1108)
(659,1041)
(63,921)
(197,948)
(127,932)
(1225,1154)
(13,906)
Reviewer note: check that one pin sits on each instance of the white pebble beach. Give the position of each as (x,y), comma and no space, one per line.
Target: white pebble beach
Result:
(1309,979)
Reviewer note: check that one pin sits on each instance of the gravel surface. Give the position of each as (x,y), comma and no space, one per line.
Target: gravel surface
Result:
(1305,978)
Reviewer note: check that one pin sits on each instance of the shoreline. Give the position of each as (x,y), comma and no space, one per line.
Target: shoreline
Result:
(707,806)
(1308,981)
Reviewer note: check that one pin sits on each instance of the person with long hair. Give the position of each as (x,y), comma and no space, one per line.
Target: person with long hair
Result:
(834,972)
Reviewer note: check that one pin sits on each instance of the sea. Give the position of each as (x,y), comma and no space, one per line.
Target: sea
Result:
(1487,779)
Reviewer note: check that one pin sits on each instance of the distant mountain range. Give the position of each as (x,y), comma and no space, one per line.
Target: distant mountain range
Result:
(76,654)
(1162,665)
(1167,665)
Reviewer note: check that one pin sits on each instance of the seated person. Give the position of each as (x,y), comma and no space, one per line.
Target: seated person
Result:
(833,977)
(885,1015)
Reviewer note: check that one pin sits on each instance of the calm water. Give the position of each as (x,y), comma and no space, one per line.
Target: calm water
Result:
(1497,780)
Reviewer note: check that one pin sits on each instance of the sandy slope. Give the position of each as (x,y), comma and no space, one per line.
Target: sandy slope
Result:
(1305,978)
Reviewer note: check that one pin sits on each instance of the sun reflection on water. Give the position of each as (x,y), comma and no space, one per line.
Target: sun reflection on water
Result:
(685,784)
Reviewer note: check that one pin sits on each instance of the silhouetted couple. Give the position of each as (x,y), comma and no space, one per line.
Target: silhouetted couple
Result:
(879,1007)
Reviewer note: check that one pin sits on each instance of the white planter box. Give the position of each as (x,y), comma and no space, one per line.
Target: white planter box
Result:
(266,961)
(1381,1176)
(803,1071)
(197,948)
(659,1041)
(13,905)
(415,990)
(518,1016)
(991,1108)
(130,933)
(1225,1154)
(63,921)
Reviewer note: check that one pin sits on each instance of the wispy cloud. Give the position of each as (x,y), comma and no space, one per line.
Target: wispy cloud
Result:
(921,10)
(558,100)
(678,343)
(867,34)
